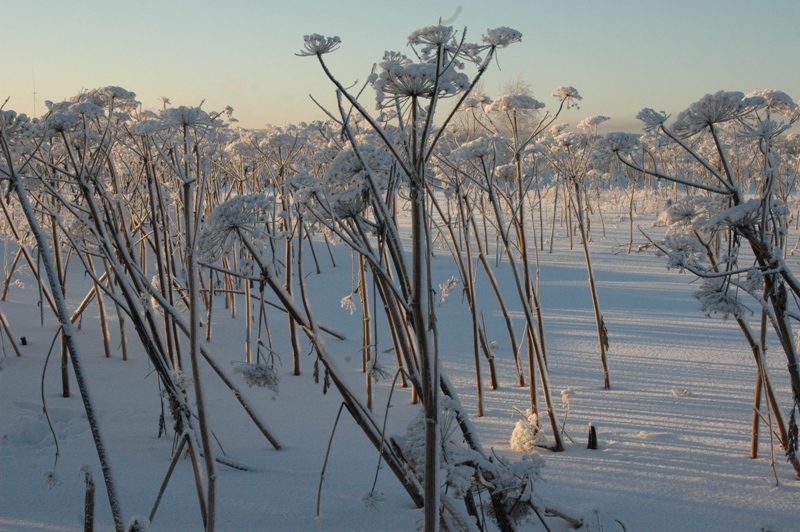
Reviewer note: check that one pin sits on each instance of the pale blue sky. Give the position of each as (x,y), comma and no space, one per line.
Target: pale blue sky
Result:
(622,55)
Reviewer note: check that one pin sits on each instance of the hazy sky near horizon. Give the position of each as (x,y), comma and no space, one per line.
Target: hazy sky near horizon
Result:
(622,55)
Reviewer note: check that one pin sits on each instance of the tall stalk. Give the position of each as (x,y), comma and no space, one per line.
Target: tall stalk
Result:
(67,330)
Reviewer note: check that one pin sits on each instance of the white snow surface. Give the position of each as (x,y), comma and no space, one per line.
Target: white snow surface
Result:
(673,431)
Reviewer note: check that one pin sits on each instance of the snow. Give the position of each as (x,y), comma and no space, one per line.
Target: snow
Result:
(673,431)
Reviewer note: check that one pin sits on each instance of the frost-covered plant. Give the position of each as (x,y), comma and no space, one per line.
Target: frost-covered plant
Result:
(714,109)
(467,473)
(683,250)
(316,44)
(718,297)
(241,217)
(727,146)
(592,122)
(569,96)
(346,187)
(527,435)
(447,287)
(408,93)
(260,375)
(515,102)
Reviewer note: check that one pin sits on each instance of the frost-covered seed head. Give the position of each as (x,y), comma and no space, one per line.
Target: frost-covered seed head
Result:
(713,109)
(515,102)
(613,145)
(432,36)
(316,44)
(764,129)
(182,116)
(416,80)
(568,95)
(779,101)
(501,37)
(592,122)
(652,119)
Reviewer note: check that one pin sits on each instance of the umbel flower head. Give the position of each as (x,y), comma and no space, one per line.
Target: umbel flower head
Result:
(432,36)
(316,44)
(569,96)
(435,39)
(501,37)
(179,117)
(614,144)
(652,119)
(515,102)
(716,296)
(778,101)
(404,80)
(345,185)
(106,96)
(713,109)
(245,216)
(592,121)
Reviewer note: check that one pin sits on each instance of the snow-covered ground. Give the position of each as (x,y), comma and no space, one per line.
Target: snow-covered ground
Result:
(673,431)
